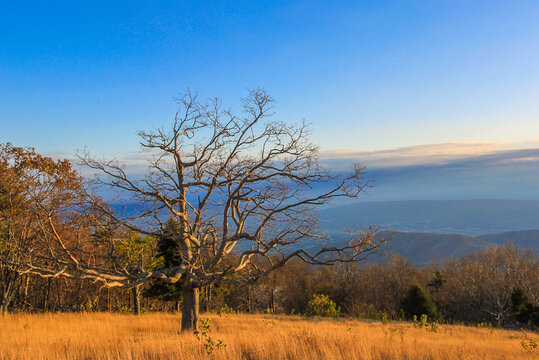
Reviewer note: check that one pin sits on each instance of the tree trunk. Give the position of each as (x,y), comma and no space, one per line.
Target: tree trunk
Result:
(249,299)
(209,298)
(8,287)
(26,283)
(5,305)
(46,299)
(6,300)
(108,299)
(273,293)
(136,300)
(190,309)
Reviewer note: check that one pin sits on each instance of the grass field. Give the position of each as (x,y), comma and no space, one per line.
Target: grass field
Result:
(157,336)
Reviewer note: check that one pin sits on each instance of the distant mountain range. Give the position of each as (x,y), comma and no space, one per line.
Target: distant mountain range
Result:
(421,248)
(472,217)
(432,230)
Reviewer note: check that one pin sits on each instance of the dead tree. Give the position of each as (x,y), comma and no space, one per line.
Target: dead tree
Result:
(242,183)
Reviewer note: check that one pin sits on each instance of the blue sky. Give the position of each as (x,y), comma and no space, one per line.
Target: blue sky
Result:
(376,79)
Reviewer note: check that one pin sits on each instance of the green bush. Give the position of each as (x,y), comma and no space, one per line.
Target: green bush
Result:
(417,302)
(225,310)
(90,304)
(522,308)
(322,305)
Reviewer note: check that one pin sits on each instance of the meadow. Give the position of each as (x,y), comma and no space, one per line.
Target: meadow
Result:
(158,336)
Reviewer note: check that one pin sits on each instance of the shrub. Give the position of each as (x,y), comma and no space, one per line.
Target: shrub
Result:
(90,304)
(322,305)
(122,309)
(225,310)
(422,322)
(384,319)
(210,344)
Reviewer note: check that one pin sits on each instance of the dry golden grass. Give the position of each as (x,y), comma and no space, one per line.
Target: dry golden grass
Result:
(157,336)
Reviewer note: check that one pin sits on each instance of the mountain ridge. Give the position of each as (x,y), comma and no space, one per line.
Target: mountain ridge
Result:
(422,248)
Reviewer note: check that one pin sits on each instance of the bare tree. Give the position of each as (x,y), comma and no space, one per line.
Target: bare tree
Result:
(242,183)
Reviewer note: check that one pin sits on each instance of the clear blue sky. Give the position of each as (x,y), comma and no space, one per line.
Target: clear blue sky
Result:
(369,75)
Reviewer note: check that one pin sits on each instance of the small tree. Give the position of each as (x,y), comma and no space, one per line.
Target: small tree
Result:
(136,253)
(418,302)
(322,305)
(168,255)
(523,309)
(439,278)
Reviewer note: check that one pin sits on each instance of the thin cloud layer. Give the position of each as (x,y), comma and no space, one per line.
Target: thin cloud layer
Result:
(428,155)
(432,171)
(441,155)
(447,171)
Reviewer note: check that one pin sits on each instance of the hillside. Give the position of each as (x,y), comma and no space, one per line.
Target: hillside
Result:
(421,248)
(523,238)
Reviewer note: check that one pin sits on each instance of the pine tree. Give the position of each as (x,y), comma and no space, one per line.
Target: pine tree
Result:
(169,256)
(439,278)
(418,302)
(523,309)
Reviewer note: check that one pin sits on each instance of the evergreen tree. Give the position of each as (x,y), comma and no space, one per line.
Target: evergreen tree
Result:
(534,317)
(520,305)
(439,278)
(523,309)
(168,256)
(418,302)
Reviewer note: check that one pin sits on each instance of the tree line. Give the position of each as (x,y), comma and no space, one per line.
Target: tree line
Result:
(497,286)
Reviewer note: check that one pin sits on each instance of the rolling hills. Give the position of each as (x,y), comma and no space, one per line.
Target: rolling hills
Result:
(421,248)
(425,231)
